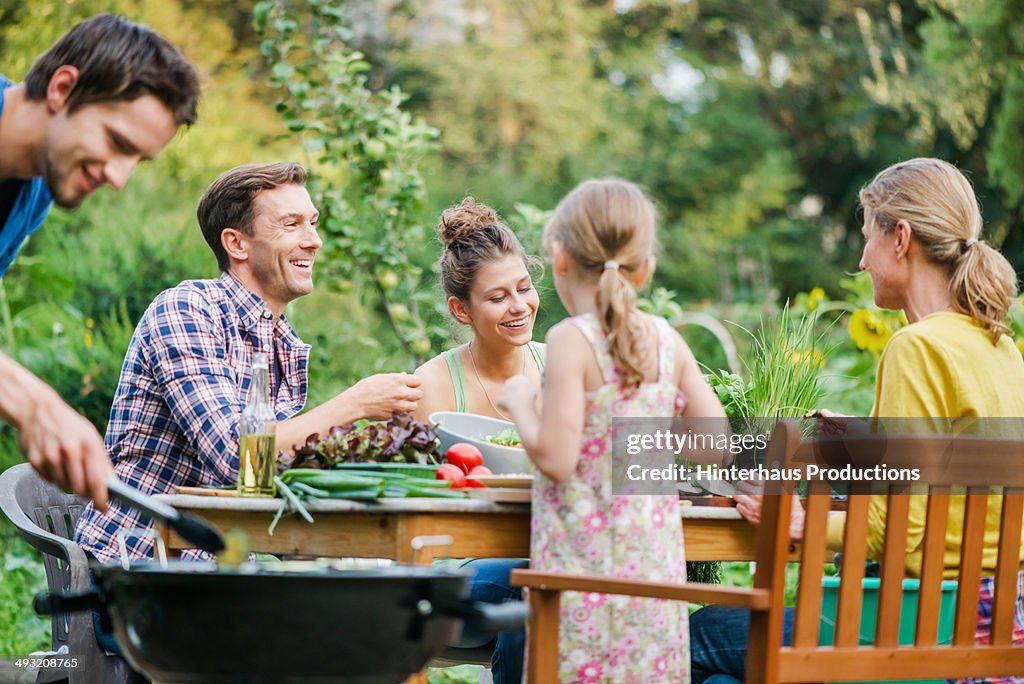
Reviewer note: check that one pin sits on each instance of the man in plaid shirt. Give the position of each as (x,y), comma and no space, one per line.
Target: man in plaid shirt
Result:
(184,382)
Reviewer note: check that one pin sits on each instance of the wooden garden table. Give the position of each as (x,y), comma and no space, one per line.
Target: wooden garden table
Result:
(386,528)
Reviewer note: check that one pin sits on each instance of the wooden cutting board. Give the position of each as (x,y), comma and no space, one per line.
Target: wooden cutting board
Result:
(501,495)
(206,491)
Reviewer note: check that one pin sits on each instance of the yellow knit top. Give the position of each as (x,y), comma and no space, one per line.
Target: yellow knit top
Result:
(944,366)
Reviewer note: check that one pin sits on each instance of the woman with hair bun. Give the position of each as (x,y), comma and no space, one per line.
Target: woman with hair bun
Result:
(954,360)
(487,278)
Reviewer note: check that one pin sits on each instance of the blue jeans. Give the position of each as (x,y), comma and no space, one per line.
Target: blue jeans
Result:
(490,584)
(718,643)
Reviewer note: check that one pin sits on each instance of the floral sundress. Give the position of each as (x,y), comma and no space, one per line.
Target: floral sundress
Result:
(579,527)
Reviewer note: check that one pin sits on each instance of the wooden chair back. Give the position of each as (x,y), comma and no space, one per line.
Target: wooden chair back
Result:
(948,465)
(964,476)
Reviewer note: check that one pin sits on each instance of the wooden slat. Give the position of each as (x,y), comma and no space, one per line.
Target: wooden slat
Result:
(807,622)
(932,565)
(851,587)
(704,540)
(542,639)
(60,524)
(894,558)
(762,652)
(971,547)
(374,536)
(54,521)
(739,597)
(925,662)
(773,549)
(1007,568)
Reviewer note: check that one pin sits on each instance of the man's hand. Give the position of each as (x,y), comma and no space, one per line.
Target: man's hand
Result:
(61,445)
(378,397)
(749,499)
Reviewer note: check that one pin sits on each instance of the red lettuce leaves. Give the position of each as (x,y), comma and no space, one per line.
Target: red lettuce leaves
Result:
(401,439)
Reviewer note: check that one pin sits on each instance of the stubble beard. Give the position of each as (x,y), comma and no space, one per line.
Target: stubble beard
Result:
(54,182)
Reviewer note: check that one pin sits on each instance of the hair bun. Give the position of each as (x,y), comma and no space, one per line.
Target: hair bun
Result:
(461,221)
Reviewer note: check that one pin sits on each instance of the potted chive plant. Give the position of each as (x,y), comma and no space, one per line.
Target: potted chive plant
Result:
(783,374)
(783,379)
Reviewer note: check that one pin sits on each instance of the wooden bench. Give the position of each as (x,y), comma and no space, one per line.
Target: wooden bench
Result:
(946,463)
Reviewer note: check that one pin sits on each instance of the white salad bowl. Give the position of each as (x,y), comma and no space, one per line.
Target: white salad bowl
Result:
(453,427)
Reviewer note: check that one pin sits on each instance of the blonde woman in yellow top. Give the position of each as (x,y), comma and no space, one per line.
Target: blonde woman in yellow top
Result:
(955,359)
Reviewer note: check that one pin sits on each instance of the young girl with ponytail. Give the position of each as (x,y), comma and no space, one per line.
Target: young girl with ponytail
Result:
(609,359)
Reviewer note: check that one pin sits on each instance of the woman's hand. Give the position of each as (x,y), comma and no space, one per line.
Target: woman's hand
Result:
(750,498)
(831,423)
(518,394)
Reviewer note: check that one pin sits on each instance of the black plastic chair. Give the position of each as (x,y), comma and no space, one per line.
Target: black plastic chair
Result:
(45,516)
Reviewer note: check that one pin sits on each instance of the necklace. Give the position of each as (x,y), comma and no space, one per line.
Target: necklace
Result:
(480,380)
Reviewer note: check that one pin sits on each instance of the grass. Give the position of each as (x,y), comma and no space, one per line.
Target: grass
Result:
(23,576)
(785,366)
(783,374)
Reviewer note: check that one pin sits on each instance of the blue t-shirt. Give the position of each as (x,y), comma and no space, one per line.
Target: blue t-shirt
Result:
(31,205)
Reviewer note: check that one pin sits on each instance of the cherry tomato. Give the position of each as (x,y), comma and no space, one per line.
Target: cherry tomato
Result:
(453,474)
(465,456)
(476,471)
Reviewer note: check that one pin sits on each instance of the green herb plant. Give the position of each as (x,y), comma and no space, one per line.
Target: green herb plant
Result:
(783,373)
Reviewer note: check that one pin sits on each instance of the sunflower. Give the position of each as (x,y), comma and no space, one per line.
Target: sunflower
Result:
(814,298)
(868,331)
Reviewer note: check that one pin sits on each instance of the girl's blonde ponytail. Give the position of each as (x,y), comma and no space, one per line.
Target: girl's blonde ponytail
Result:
(616,300)
(607,226)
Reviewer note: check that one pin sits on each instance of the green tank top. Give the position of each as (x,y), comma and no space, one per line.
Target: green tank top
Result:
(451,357)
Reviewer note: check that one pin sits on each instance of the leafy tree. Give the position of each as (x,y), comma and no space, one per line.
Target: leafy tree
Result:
(749,123)
(960,84)
(363,150)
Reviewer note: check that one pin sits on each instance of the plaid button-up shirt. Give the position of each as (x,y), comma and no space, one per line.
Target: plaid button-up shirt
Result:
(183,385)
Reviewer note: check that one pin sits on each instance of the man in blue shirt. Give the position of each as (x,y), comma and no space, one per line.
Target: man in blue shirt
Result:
(107,95)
